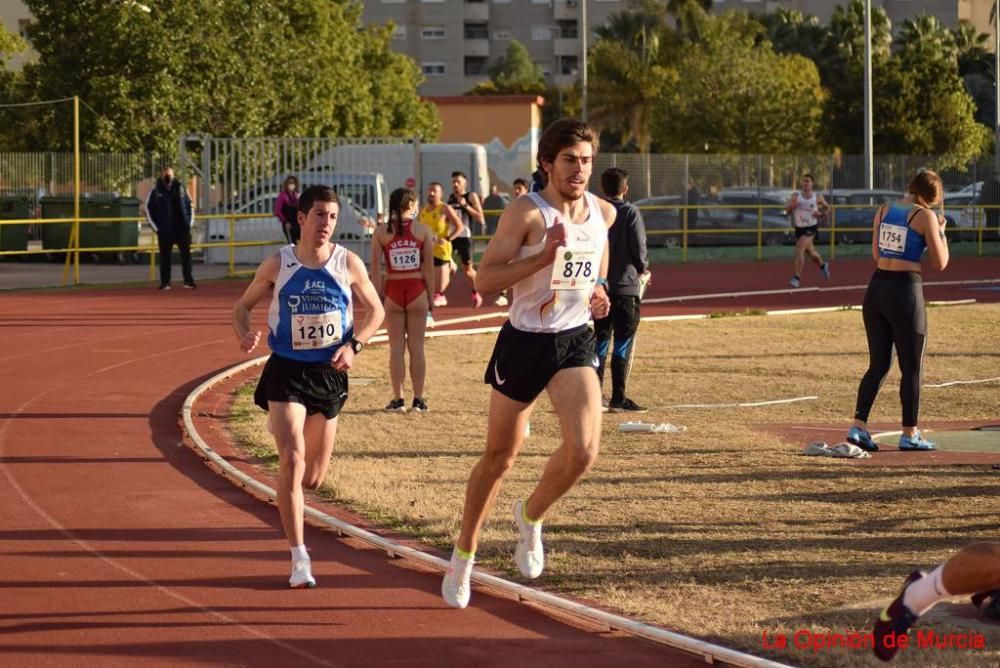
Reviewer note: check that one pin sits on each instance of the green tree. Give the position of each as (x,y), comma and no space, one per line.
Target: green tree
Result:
(10,45)
(923,107)
(841,67)
(223,67)
(514,73)
(791,31)
(735,94)
(627,75)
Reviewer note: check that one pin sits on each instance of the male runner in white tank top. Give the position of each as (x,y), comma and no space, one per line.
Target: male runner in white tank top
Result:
(806,208)
(551,246)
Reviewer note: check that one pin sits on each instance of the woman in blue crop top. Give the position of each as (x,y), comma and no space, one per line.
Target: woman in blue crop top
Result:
(894,311)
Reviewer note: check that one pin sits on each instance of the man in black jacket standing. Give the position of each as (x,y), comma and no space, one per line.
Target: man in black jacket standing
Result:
(628,275)
(170,214)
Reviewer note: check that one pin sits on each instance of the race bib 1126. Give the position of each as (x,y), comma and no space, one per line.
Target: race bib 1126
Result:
(404,259)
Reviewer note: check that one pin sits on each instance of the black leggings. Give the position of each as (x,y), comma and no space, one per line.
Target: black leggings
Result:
(623,320)
(894,315)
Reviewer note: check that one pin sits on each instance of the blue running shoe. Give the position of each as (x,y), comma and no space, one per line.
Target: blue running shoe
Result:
(915,442)
(895,621)
(825,269)
(862,439)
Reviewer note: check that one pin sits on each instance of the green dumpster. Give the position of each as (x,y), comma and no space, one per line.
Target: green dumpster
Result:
(105,234)
(14,237)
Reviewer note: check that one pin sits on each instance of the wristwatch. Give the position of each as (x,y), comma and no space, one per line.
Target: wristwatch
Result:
(356,345)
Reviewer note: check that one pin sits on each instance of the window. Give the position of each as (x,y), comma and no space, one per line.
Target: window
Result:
(541,33)
(502,35)
(477,31)
(475,66)
(546,68)
(568,65)
(432,69)
(568,29)
(399,32)
(432,32)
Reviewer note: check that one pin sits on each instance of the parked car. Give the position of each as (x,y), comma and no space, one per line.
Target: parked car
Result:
(665,214)
(354,230)
(856,210)
(963,215)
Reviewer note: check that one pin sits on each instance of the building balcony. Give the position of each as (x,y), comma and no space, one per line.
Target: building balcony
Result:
(566,47)
(476,11)
(562,80)
(566,9)
(476,47)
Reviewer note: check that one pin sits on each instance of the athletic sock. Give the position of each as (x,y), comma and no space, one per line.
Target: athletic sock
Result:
(299,553)
(524,515)
(796,276)
(468,556)
(921,595)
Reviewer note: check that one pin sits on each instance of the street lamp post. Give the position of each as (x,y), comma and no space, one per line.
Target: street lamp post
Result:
(869,158)
(584,30)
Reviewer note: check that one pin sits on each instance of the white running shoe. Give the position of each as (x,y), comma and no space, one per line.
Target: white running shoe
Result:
(500,301)
(456,588)
(440,300)
(794,282)
(301,575)
(530,555)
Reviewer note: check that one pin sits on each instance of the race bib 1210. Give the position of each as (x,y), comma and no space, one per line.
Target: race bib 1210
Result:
(320,330)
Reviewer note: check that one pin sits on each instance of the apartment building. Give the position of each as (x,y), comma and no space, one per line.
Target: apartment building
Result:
(15,17)
(456,41)
(949,12)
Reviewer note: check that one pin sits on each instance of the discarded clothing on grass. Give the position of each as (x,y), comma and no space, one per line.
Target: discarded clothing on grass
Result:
(847,450)
(651,428)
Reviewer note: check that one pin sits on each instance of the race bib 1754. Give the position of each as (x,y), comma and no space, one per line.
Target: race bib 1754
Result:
(892,238)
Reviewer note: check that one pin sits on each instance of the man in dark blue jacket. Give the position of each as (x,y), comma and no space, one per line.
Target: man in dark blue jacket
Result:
(628,275)
(170,214)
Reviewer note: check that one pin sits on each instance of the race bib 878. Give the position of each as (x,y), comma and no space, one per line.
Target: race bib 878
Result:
(575,269)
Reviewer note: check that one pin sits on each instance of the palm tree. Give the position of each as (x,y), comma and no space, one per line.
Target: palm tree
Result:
(926,36)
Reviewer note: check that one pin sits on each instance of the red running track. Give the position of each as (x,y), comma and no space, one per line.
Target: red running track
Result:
(118,545)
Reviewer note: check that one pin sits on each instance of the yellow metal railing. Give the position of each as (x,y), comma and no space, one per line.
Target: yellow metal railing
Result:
(762,233)
(74,249)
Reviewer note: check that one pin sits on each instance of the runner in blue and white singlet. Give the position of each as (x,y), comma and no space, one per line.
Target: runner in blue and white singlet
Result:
(806,207)
(311,314)
(313,340)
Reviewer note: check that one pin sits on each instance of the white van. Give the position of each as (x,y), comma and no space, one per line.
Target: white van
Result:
(399,164)
(354,229)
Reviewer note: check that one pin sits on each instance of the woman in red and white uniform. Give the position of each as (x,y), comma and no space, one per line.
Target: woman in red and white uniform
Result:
(406,246)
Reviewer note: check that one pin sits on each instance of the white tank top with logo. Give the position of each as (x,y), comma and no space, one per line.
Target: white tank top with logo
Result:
(557,298)
(804,209)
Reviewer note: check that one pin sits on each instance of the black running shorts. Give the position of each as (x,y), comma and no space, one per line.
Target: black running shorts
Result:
(810,231)
(318,387)
(523,363)
(463,246)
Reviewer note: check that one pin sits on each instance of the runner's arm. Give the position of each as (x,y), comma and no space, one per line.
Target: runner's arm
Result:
(792,203)
(456,222)
(376,263)
(498,270)
(368,298)
(932,225)
(876,223)
(427,263)
(475,209)
(263,282)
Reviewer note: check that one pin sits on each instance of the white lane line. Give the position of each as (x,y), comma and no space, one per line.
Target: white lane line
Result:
(950,383)
(393,549)
(786,291)
(96,552)
(748,404)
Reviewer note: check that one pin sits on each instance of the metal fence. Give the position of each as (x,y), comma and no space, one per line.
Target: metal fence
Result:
(664,175)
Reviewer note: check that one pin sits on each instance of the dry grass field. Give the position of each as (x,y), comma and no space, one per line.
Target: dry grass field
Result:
(723,532)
